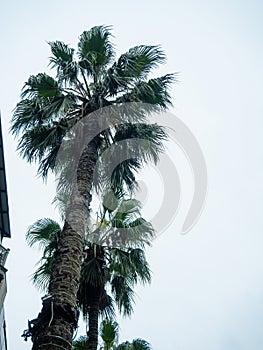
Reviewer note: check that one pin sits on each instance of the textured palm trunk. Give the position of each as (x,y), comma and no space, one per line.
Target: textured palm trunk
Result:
(93,322)
(55,325)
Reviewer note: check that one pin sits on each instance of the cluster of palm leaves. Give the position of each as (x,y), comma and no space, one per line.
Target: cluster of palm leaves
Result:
(89,80)
(84,83)
(109,332)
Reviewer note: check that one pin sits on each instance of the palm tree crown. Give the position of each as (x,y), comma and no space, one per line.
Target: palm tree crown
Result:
(85,82)
(109,332)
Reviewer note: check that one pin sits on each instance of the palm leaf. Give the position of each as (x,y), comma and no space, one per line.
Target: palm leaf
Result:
(109,332)
(41,276)
(139,61)
(95,49)
(44,233)
(63,61)
(41,85)
(80,344)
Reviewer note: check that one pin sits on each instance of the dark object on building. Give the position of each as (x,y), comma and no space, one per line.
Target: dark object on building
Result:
(5,232)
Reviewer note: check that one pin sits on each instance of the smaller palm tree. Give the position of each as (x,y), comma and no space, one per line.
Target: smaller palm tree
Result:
(109,332)
(114,261)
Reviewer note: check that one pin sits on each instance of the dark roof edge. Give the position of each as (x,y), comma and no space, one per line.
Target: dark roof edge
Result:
(6,232)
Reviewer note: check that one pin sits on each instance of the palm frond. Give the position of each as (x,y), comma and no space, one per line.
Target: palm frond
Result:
(44,233)
(109,332)
(139,61)
(107,306)
(27,114)
(41,85)
(42,144)
(122,290)
(63,61)
(139,265)
(149,137)
(154,92)
(41,276)
(95,49)
(131,263)
(80,344)
(91,272)
(140,344)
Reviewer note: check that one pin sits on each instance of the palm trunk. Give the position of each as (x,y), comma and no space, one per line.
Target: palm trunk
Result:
(93,322)
(55,325)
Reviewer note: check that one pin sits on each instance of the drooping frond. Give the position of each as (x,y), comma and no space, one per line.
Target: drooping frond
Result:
(107,306)
(44,233)
(149,140)
(133,145)
(154,92)
(92,273)
(139,61)
(41,276)
(122,290)
(28,113)
(131,263)
(42,144)
(132,66)
(63,61)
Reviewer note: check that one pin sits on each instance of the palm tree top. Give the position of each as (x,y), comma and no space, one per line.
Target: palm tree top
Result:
(85,81)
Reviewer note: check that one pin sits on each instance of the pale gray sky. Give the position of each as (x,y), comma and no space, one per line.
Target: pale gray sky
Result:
(207,289)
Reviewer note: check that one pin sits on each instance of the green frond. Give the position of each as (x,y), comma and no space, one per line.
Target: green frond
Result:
(41,85)
(109,332)
(80,344)
(139,265)
(107,306)
(59,106)
(140,344)
(44,233)
(132,66)
(63,61)
(27,114)
(124,175)
(139,61)
(91,272)
(137,344)
(122,290)
(41,276)
(154,92)
(61,51)
(95,49)
(149,137)
(131,263)
(138,143)
(42,144)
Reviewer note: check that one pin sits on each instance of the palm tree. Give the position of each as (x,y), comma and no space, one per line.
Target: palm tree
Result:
(109,334)
(49,108)
(118,260)
(119,267)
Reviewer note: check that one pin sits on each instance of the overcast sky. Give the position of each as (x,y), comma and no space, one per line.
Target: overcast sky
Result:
(207,289)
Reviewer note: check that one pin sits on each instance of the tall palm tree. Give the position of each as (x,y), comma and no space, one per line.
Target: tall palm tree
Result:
(49,108)
(119,267)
